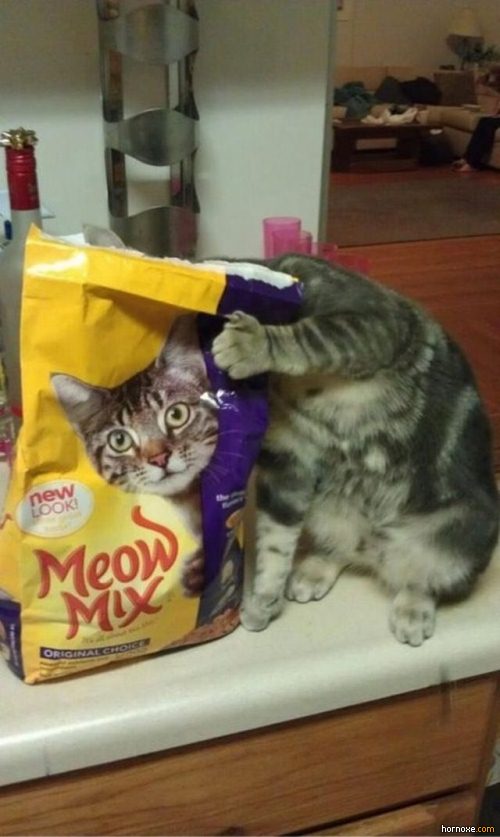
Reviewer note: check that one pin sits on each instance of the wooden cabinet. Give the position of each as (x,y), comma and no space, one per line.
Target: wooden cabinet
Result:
(456,280)
(423,818)
(404,765)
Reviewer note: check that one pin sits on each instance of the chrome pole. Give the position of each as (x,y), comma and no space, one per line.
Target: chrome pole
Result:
(161,33)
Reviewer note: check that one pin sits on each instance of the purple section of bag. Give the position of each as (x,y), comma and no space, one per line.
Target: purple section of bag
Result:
(10,634)
(243,417)
(266,302)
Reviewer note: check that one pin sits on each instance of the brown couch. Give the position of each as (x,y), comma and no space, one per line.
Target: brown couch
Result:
(457,120)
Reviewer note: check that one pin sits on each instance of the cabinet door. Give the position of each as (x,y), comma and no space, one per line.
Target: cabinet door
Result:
(293,777)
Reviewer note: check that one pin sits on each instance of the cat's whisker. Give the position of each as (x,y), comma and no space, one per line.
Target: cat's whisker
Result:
(218,468)
(215,469)
(235,453)
(213,478)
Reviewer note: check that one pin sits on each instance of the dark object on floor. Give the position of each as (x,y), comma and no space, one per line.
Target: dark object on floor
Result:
(490,809)
(435,150)
(481,141)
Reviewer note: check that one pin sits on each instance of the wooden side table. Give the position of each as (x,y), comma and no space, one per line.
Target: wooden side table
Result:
(458,87)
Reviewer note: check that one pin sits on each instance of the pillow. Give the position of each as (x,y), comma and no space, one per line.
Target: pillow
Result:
(390,90)
(421,91)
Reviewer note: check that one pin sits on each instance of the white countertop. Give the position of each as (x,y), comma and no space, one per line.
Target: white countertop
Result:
(316,657)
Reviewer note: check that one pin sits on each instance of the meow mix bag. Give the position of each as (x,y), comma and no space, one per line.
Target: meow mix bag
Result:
(121,532)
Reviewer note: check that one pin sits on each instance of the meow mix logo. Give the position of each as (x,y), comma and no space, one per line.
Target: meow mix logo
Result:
(110,589)
(54,509)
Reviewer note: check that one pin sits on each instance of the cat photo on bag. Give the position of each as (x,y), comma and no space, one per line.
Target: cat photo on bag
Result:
(154,433)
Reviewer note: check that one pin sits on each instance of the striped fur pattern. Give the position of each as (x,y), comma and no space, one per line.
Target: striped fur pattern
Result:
(155,432)
(378,453)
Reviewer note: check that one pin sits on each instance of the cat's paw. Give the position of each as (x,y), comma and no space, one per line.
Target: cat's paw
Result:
(301,588)
(241,349)
(193,576)
(311,580)
(258,611)
(413,617)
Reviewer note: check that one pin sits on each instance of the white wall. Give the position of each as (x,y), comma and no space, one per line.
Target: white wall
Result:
(407,32)
(261,82)
(261,88)
(49,82)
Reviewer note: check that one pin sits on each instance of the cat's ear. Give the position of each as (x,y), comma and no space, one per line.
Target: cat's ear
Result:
(181,349)
(100,237)
(80,401)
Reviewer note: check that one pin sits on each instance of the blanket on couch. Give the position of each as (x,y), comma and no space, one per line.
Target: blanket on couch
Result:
(359,101)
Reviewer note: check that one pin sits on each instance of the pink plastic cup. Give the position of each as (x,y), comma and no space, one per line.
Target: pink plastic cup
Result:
(280,232)
(305,243)
(285,241)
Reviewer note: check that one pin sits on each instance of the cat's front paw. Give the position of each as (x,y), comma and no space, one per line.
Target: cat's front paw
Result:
(258,611)
(412,617)
(193,576)
(241,349)
(312,579)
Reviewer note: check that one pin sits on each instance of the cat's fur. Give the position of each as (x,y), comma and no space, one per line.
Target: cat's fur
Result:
(378,453)
(167,416)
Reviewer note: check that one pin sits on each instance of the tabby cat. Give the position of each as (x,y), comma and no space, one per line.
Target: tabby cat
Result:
(156,432)
(378,453)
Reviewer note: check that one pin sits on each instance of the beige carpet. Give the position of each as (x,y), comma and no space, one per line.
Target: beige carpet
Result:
(413,210)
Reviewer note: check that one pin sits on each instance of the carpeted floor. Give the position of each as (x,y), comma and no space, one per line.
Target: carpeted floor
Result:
(447,207)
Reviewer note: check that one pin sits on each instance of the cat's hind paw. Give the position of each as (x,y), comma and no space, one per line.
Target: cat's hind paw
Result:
(241,349)
(413,617)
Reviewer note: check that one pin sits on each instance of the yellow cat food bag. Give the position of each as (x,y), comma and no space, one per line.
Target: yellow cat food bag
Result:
(121,531)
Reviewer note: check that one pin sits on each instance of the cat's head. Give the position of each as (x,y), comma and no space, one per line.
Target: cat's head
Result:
(155,432)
